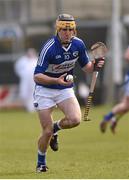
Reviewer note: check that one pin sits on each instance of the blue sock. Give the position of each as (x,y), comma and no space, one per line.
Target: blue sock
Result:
(108,116)
(56,127)
(41,158)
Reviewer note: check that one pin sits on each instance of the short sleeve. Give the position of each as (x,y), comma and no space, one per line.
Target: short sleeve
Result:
(43,61)
(83,55)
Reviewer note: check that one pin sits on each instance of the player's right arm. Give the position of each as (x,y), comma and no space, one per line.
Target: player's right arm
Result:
(43,62)
(47,80)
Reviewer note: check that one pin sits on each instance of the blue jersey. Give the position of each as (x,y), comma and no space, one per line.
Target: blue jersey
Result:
(55,59)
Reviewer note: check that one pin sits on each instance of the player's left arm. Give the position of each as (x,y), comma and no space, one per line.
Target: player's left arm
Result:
(85,63)
(94,65)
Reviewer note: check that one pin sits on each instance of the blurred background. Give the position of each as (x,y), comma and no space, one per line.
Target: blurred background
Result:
(29,23)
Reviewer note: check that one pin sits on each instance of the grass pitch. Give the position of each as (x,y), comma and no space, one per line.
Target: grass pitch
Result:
(84,152)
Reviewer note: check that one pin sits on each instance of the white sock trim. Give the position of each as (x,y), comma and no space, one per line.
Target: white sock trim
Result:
(55,133)
(58,124)
(113,119)
(41,153)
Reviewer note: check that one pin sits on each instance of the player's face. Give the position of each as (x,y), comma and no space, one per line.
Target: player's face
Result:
(66,34)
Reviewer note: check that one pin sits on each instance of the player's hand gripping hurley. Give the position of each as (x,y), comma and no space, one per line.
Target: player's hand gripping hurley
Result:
(98,52)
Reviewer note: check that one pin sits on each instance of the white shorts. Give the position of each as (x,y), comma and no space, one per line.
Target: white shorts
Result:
(45,98)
